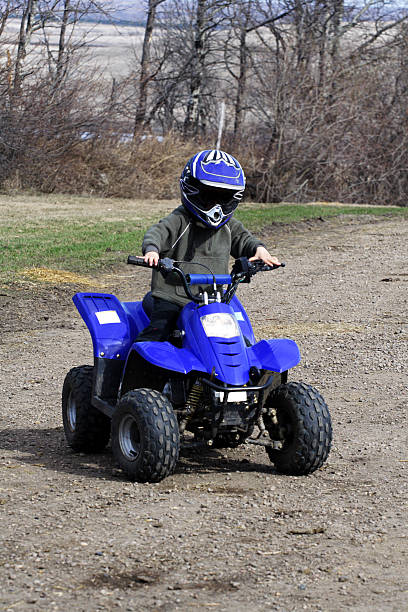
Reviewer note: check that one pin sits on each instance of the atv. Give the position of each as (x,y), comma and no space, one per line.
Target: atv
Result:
(210,384)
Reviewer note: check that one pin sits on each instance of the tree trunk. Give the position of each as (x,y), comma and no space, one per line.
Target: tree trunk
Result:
(61,67)
(194,112)
(4,15)
(145,76)
(243,68)
(26,30)
(338,12)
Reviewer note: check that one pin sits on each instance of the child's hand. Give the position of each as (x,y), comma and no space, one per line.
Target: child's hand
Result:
(152,258)
(265,256)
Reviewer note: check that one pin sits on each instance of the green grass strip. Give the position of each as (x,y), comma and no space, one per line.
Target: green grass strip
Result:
(258,218)
(79,247)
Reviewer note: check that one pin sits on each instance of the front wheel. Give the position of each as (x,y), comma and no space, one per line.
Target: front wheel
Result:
(299,424)
(145,436)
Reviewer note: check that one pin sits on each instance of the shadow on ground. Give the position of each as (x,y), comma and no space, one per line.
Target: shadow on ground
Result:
(47,448)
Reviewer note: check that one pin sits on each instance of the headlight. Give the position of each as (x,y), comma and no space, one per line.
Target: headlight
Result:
(220,324)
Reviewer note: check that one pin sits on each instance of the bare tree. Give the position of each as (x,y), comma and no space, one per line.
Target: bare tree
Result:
(7,9)
(36,124)
(45,18)
(147,72)
(195,117)
(187,68)
(29,23)
(60,19)
(246,17)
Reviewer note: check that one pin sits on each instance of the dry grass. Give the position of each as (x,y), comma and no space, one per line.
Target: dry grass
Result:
(17,207)
(56,277)
(108,168)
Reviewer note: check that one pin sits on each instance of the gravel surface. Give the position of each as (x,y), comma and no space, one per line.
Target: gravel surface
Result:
(225,532)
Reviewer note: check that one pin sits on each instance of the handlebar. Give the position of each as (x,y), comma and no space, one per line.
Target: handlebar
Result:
(242,271)
(243,264)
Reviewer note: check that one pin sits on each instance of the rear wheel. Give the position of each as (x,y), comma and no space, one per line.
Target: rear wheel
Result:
(145,436)
(86,429)
(299,424)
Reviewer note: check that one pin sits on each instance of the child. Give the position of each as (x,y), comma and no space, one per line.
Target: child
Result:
(200,231)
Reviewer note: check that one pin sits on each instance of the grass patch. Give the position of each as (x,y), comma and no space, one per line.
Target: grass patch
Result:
(84,241)
(80,247)
(257,217)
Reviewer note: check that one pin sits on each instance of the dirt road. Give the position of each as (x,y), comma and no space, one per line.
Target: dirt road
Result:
(225,532)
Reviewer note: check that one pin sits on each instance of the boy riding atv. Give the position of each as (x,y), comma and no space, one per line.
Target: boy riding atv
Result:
(196,375)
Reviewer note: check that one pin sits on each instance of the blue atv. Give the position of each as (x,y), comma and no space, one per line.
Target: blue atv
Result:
(210,384)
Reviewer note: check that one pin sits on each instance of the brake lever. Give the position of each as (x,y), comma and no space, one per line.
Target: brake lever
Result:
(274,267)
(260,266)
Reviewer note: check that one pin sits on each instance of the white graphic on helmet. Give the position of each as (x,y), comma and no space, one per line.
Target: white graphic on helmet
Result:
(215,158)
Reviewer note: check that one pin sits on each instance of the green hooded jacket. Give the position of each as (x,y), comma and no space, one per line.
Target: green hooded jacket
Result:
(182,238)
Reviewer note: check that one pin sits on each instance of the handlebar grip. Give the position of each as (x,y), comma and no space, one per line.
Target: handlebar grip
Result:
(208,279)
(137,261)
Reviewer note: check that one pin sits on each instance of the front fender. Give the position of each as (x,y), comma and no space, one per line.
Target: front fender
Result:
(166,356)
(276,355)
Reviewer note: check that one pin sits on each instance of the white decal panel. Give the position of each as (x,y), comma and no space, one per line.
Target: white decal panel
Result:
(107,316)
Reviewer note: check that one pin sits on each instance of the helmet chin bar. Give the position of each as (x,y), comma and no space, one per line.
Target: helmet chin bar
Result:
(215,215)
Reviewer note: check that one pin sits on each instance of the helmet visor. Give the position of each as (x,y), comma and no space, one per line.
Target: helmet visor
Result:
(208,197)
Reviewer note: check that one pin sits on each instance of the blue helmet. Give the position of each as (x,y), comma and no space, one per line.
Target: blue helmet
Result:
(212,185)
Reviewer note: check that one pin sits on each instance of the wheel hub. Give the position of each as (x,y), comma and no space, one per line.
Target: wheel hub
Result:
(71,412)
(129,438)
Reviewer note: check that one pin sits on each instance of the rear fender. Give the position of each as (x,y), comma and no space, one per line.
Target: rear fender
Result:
(108,324)
(113,325)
